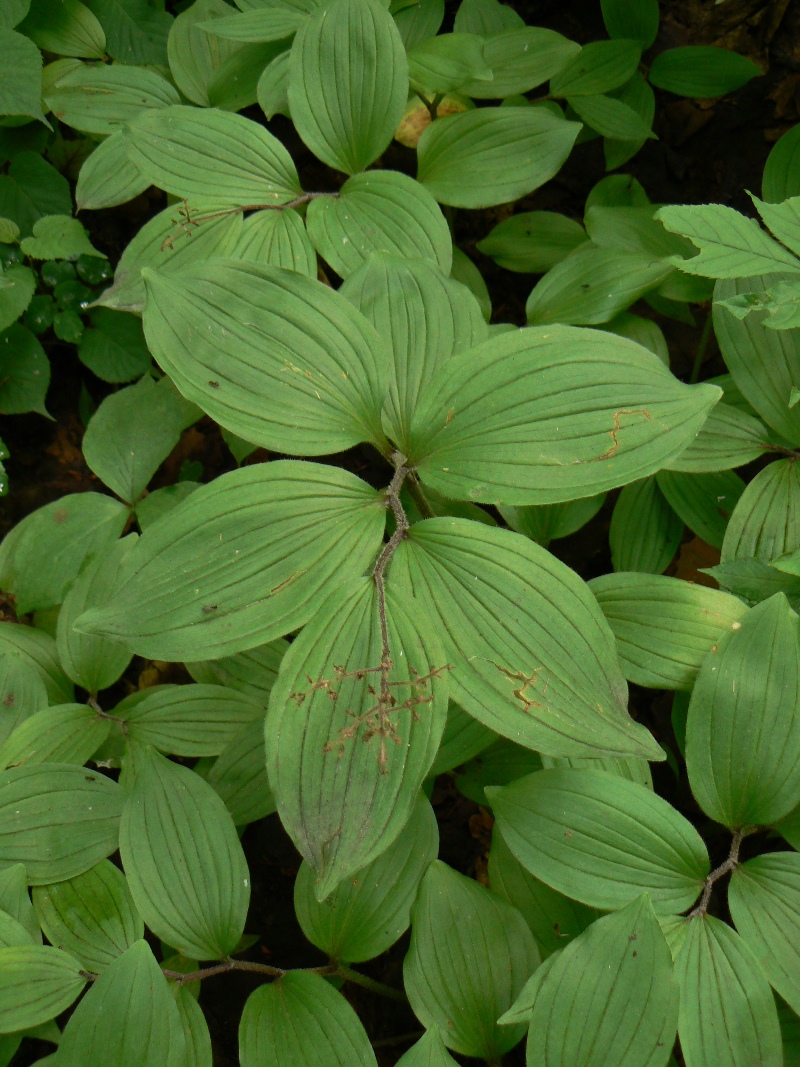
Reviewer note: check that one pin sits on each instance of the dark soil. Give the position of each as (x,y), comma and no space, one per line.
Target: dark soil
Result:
(706,151)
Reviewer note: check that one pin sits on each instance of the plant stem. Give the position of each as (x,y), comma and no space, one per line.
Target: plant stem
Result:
(415,491)
(702,345)
(369,983)
(730,864)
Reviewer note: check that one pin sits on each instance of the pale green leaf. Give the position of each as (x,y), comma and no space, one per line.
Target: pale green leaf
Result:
(15,901)
(36,984)
(443,64)
(136,31)
(728,438)
(66,28)
(20,77)
(38,651)
(272,90)
(429,1051)
(101,99)
(252,673)
(422,20)
(533,241)
(705,502)
(67,733)
(645,532)
(765,523)
(549,522)
(194,54)
(108,178)
(486,17)
(22,693)
(277,239)
(58,237)
(520,59)
(258,26)
(697,70)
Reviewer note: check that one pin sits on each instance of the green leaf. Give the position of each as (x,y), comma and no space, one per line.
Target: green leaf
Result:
(429,1051)
(486,17)
(45,552)
(701,71)
(90,916)
(554,919)
(211,155)
(463,738)
(444,63)
(67,733)
(634,770)
(301,1019)
(65,27)
(743,729)
(190,720)
(168,244)
(645,532)
(277,239)
(102,99)
(277,358)
(13,12)
(195,1029)
(136,32)
(461,976)
(153,505)
(24,367)
(20,285)
(114,347)
(597,68)
(765,522)
(380,211)
(520,59)
(549,522)
(239,776)
(31,189)
(781,178)
(186,869)
(234,84)
(490,156)
(638,96)
(728,438)
(502,762)
(128,1018)
(635,19)
(14,900)
(727,1012)
(38,651)
(355,46)
(643,331)
(423,317)
(258,26)
(367,913)
(634,229)
(753,581)
(22,694)
(194,54)
(764,900)
(252,673)
(343,801)
(36,984)
(272,90)
(20,77)
(423,20)
(519,607)
(300,528)
(514,422)
(611,117)
(664,627)
(782,219)
(72,830)
(705,502)
(550,821)
(533,241)
(58,237)
(610,997)
(591,285)
(108,178)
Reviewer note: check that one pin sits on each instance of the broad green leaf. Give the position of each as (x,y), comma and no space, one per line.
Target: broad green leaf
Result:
(554,919)
(633,770)
(25,369)
(461,976)
(346,770)
(14,298)
(420,21)
(443,64)
(502,762)
(57,819)
(12,933)
(195,1029)
(301,1019)
(731,244)
(698,70)
(591,285)
(258,26)
(423,317)
(90,916)
(782,219)
(102,99)
(766,519)
(277,239)
(533,241)
(727,1012)
(186,869)
(22,694)
(131,434)
(239,776)
(617,190)
(253,672)
(20,77)
(519,607)
(764,900)
(113,347)
(108,178)
(463,738)
(128,1018)
(637,95)
(32,188)
(65,27)
(665,627)
(635,19)
(550,414)
(549,522)
(44,553)
(355,46)
(728,438)
(486,17)
(645,532)
(611,118)
(15,901)
(490,156)
(610,997)
(194,54)
(300,528)
(67,733)
(13,12)
(601,839)
(135,31)
(190,720)
(743,730)
(753,580)
(36,984)
(38,651)
(465,271)
(634,229)
(367,913)
(520,59)
(210,155)
(598,68)
(781,177)
(272,90)
(154,505)
(277,358)
(705,502)
(380,211)
(168,244)
(429,1051)
(234,84)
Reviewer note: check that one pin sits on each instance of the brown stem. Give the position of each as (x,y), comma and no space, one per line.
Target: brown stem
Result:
(92,703)
(730,864)
(781,450)
(369,983)
(417,494)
